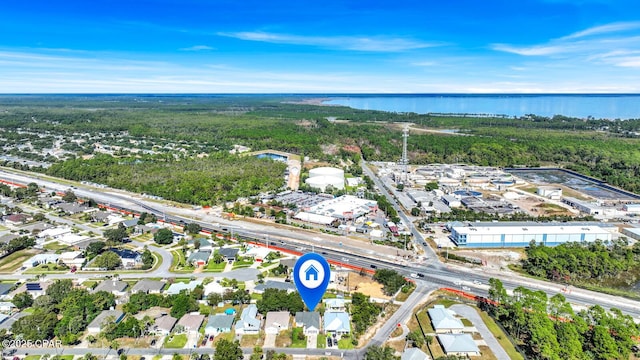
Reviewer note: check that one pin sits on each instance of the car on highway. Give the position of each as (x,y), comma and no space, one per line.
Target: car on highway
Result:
(420,275)
(424,243)
(477,282)
(373,266)
(344,260)
(414,275)
(466,288)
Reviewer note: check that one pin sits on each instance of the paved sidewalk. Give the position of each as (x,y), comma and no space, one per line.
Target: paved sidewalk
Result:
(472,315)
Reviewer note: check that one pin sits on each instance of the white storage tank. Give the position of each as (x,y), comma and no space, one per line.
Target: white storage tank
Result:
(326,171)
(322,182)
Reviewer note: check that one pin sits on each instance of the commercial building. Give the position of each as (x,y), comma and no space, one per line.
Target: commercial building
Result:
(521,234)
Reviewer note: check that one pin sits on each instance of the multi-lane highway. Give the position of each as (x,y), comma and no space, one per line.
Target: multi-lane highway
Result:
(432,273)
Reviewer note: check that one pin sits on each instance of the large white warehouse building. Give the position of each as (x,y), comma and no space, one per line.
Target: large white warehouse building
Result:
(520,235)
(322,177)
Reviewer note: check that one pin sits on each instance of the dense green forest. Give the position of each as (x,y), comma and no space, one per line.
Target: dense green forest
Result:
(204,181)
(613,264)
(187,126)
(548,328)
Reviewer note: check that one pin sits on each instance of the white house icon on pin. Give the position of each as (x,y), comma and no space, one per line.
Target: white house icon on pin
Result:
(310,272)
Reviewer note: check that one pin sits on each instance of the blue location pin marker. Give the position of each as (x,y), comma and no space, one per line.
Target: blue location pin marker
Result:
(311,275)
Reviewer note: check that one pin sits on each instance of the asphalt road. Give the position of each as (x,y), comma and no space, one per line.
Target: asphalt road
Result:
(435,274)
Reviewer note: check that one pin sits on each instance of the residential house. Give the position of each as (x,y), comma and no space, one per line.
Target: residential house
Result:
(276,322)
(72,258)
(337,323)
(130,259)
(130,223)
(72,208)
(5,289)
(458,344)
(176,288)
(218,324)
(191,323)
(35,289)
(116,287)
(248,323)
(203,244)
(8,321)
(144,229)
(199,258)
(309,321)
(414,354)
(229,254)
(4,239)
(49,202)
(104,318)
(100,216)
(214,287)
(40,259)
(54,233)
(335,305)
(164,324)
(148,286)
(6,307)
(272,284)
(443,320)
(16,219)
(72,239)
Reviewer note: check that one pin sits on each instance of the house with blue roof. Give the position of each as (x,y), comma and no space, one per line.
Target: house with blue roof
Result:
(337,323)
(248,323)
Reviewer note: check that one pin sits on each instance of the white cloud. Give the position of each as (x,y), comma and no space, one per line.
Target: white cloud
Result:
(604,29)
(198,48)
(373,44)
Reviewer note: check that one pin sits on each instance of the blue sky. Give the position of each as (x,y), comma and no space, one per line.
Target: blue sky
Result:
(371,46)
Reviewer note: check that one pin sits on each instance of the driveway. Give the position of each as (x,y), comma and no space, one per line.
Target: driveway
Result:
(312,341)
(270,340)
(472,315)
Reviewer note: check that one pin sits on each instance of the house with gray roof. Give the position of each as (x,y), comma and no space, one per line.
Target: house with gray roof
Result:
(164,324)
(272,284)
(414,354)
(276,322)
(229,254)
(176,288)
(8,237)
(6,306)
(248,323)
(72,208)
(458,344)
(443,320)
(309,321)
(103,319)
(203,243)
(5,289)
(199,258)
(148,286)
(191,322)
(218,324)
(8,321)
(116,287)
(337,323)
(130,223)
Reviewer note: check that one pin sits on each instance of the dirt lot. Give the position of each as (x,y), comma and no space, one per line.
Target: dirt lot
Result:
(494,258)
(366,285)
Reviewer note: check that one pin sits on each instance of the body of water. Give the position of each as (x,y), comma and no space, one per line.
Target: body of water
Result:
(614,106)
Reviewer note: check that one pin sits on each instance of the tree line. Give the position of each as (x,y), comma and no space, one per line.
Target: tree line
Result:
(548,328)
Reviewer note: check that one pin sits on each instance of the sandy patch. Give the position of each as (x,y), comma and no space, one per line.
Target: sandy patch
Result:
(366,285)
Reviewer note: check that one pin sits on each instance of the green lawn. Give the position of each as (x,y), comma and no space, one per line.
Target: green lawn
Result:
(402,296)
(12,262)
(32,357)
(345,344)
(46,268)
(213,267)
(297,342)
(322,341)
(175,341)
(55,246)
(500,336)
